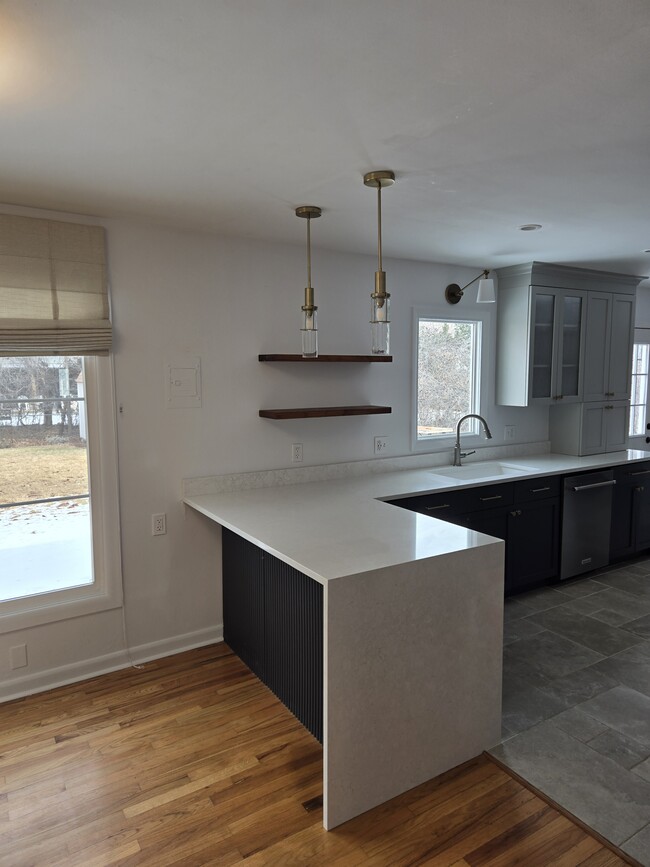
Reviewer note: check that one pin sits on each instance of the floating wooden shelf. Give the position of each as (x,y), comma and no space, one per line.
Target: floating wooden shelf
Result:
(323,411)
(326,358)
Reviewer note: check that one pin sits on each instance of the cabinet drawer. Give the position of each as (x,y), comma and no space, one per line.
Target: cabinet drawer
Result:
(442,505)
(633,473)
(449,503)
(537,489)
(489,497)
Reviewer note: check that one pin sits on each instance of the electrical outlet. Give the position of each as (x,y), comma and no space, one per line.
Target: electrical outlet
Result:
(509,432)
(296,453)
(18,656)
(381,445)
(159,524)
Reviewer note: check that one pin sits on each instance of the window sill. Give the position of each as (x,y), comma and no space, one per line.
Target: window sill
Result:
(52,608)
(443,443)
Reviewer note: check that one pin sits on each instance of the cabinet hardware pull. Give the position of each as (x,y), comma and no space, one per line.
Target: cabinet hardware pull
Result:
(539,490)
(496,497)
(640,473)
(608,484)
(433,508)
(516,513)
(640,488)
(609,406)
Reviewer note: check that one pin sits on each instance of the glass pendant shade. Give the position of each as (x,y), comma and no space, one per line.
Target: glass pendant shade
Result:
(380,325)
(486,294)
(309,334)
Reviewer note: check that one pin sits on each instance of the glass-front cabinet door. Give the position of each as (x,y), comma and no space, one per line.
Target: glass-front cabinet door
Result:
(556,345)
(542,349)
(571,306)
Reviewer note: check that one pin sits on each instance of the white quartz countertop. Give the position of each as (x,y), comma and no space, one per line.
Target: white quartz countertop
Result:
(332,529)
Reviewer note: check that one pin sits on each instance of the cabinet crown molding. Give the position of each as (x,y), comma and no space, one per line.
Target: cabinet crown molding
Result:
(558,276)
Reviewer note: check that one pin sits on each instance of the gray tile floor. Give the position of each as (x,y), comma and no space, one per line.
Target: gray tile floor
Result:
(576,699)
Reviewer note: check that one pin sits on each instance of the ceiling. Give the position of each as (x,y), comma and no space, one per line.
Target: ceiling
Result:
(225,115)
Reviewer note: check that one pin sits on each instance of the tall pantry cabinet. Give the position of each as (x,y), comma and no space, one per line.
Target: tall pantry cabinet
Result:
(564,339)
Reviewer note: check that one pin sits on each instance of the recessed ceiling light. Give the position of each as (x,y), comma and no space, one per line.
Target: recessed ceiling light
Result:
(530,227)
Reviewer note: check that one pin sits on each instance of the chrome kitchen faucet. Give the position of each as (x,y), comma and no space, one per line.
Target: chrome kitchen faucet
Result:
(457,452)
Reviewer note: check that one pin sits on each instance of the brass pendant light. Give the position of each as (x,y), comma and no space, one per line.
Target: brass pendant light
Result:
(309,329)
(380,313)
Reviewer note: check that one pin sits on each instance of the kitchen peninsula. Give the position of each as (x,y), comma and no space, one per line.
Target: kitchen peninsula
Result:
(412,615)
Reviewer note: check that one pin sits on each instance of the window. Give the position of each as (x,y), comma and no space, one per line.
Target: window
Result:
(59,530)
(54,310)
(448,376)
(639,399)
(44,500)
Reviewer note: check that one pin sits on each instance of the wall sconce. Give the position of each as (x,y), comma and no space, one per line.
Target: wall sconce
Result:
(379,316)
(309,328)
(486,295)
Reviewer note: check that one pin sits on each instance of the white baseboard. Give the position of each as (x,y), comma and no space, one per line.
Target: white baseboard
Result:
(78,671)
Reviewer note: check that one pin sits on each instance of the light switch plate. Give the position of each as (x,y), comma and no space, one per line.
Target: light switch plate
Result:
(183,383)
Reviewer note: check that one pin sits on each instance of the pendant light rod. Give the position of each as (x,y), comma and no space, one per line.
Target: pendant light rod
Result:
(308,212)
(380,179)
(309,251)
(379,226)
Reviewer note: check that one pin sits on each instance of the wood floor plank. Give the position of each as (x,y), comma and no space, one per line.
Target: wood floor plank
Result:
(188,788)
(190,761)
(484,829)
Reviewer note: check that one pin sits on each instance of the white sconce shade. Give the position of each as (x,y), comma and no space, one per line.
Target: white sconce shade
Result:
(486,294)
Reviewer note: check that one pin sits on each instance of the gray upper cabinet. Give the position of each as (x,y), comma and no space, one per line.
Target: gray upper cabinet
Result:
(556,347)
(608,346)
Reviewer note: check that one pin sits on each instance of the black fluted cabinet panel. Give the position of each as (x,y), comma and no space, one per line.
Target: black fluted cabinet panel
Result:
(294,642)
(243,600)
(273,620)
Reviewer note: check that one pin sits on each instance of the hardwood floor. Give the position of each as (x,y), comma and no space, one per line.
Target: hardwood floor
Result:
(192,761)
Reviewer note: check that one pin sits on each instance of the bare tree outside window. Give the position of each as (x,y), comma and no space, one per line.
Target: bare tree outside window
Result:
(447,365)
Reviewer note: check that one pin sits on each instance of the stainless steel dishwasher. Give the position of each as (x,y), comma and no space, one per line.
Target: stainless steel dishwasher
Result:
(586,521)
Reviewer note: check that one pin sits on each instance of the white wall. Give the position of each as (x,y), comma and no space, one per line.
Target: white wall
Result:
(178,293)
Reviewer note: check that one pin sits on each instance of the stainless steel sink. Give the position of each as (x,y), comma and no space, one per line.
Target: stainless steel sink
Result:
(484,470)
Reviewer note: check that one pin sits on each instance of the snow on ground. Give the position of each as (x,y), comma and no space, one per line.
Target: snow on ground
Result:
(44,547)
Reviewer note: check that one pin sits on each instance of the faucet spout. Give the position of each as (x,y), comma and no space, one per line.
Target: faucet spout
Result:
(458,454)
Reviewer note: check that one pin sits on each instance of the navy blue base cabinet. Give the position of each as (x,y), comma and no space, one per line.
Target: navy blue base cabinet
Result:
(273,620)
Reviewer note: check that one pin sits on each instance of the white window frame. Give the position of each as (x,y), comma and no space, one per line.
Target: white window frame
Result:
(483,318)
(106,590)
(641,335)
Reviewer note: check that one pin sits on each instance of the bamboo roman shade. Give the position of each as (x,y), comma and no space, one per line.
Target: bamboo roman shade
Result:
(53,288)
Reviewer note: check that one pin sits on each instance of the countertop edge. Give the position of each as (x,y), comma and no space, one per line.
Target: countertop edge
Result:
(253,515)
